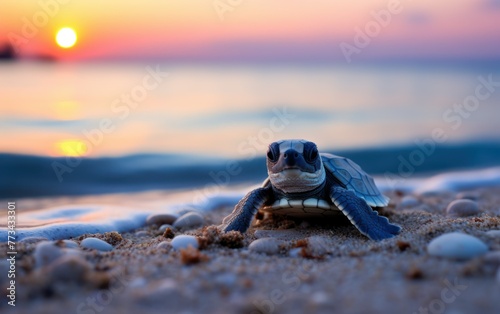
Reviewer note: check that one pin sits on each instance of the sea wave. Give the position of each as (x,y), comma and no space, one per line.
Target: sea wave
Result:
(33,176)
(74,220)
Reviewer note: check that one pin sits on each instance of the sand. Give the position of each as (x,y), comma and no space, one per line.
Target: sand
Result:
(319,267)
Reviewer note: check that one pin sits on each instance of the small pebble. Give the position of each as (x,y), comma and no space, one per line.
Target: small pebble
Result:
(142,233)
(164,245)
(183,241)
(68,268)
(493,233)
(160,219)
(185,211)
(462,208)
(457,245)
(164,227)
(265,245)
(96,244)
(46,252)
(70,244)
(189,220)
(409,201)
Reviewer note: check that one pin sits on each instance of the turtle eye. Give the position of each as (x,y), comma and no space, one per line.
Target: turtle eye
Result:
(312,154)
(273,152)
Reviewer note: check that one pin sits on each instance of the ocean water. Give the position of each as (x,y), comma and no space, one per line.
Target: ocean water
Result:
(235,110)
(100,128)
(86,128)
(73,220)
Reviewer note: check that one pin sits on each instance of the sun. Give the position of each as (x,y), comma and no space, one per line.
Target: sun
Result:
(66,37)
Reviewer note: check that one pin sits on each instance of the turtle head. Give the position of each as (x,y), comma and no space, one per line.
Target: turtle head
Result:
(295,166)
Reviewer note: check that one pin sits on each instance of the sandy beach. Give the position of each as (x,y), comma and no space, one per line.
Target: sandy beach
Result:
(309,267)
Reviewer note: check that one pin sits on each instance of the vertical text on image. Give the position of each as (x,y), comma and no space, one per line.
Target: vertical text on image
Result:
(11,252)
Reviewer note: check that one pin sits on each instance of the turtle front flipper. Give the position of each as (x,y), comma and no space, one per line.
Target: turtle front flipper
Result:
(243,213)
(362,216)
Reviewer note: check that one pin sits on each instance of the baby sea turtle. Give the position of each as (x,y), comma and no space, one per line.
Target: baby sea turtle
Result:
(302,183)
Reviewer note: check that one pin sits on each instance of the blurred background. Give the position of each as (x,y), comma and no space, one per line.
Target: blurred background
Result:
(116,96)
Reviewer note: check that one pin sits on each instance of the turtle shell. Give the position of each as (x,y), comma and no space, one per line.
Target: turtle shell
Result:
(349,174)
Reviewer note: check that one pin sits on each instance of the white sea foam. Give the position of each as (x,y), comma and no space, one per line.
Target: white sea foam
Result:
(461,180)
(71,221)
(449,181)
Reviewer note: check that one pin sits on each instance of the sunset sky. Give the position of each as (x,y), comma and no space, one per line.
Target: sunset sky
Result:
(251,30)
